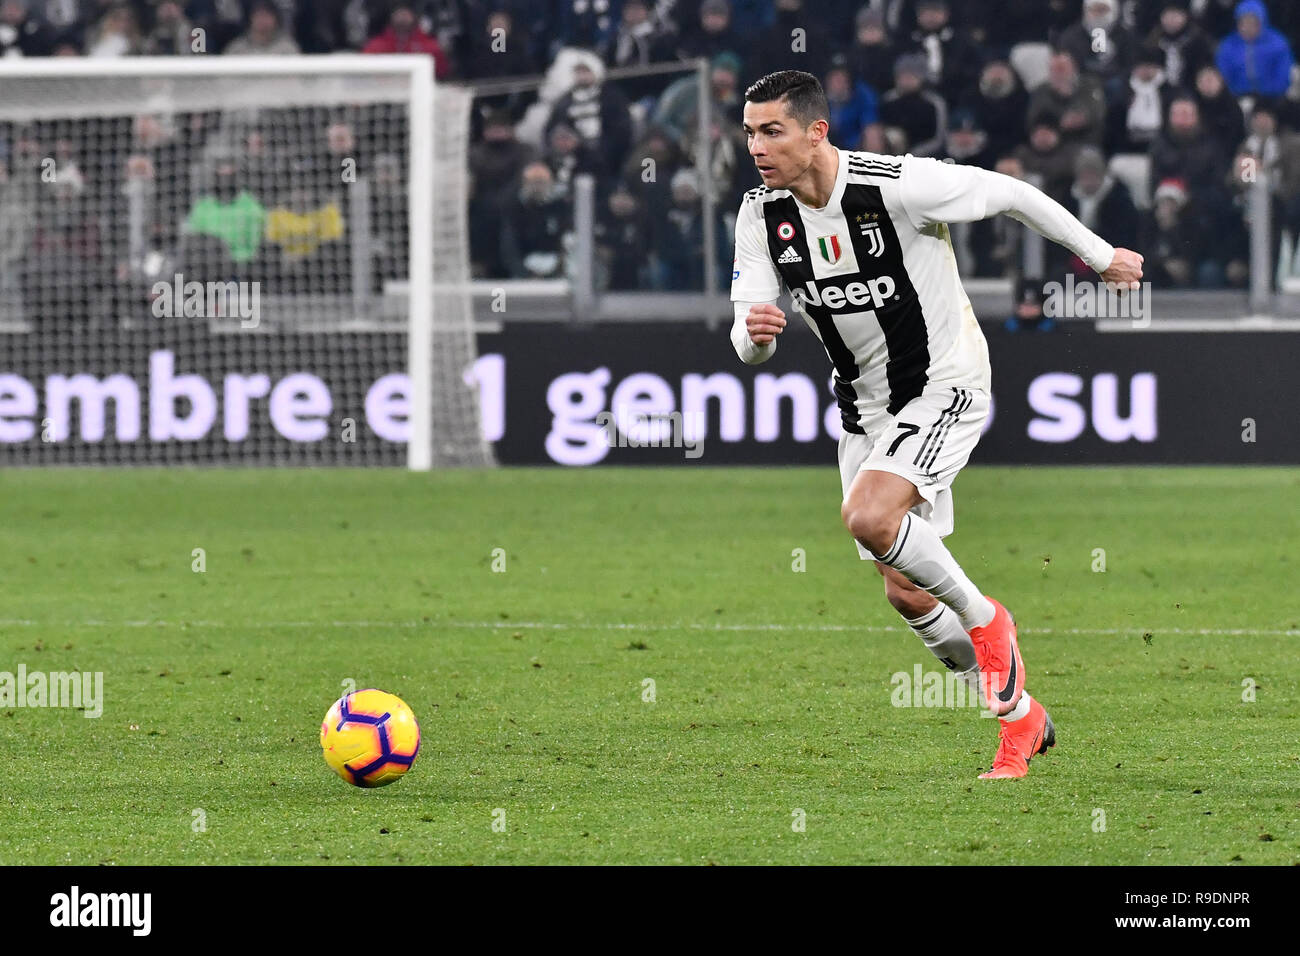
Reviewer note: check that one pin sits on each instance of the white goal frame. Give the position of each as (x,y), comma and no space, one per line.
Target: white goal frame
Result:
(418,70)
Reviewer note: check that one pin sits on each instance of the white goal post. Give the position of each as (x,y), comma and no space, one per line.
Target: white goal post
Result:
(235,260)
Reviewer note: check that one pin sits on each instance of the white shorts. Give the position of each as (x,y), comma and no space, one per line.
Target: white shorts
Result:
(927,442)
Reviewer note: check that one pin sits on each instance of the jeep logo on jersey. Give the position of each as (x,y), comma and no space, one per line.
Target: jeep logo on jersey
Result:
(874,291)
(830,248)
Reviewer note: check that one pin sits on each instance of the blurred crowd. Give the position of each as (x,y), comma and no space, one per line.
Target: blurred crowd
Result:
(1144,117)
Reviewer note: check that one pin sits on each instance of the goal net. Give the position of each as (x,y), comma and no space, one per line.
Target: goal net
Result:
(235,260)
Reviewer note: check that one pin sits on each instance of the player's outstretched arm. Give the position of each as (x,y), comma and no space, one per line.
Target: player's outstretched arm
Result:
(755,330)
(935,192)
(1121,268)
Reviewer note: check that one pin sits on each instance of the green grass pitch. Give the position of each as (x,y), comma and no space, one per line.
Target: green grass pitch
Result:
(772,687)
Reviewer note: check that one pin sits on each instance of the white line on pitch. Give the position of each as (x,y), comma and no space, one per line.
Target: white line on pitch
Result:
(641,626)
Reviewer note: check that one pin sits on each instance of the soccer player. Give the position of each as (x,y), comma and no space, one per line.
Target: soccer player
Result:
(861,241)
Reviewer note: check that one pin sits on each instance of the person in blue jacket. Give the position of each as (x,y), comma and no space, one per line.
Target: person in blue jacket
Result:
(1256,60)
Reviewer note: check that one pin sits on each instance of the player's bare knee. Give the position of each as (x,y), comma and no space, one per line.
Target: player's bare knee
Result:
(875,527)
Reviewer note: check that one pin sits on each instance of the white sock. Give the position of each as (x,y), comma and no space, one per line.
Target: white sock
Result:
(1021,709)
(941,631)
(919,554)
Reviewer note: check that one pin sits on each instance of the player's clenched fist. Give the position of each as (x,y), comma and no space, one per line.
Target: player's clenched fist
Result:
(764,323)
(1125,271)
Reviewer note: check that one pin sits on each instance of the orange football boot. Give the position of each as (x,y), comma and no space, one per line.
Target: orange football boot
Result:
(1019,740)
(1002,672)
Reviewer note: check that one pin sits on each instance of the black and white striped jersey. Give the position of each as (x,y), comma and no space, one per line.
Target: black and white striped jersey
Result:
(874,274)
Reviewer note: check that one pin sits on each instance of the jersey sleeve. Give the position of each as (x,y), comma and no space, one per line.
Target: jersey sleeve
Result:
(753,276)
(932,192)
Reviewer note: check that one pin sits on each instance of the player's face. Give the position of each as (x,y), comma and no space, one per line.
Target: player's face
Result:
(781,148)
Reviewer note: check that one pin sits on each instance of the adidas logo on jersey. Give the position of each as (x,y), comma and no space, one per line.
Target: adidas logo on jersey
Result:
(790,255)
(875,292)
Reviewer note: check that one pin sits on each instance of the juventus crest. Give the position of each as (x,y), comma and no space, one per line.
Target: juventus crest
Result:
(869,228)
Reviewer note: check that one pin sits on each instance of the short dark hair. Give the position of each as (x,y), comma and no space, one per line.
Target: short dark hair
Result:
(802,92)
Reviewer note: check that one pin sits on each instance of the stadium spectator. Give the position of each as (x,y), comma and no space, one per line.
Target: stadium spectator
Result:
(304,233)
(1186,47)
(638,40)
(496,163)
(585,23)
(714,35)
(64,17)
(1256,59)
(65,274)
(499,50)
(679,105)
(220,21)
(679,245)
(651,165)
(951,61)
(796,40)
(1028,313)
(1220,112)
(1136,117)
(403,35)
(336,24)
(1275,152)
(1072,102)
(872,55)
(730,169)
(265,36)
(498,158)
(598,113)
(568,156)
(534,226)
(1000,105)
(224,226)
(1216,17)
(1101,45)
(1048,158)
(752,17)
(1103,204)
(1188,246)
(451,23)
(389,221)
(1023,21)
(159,162)
(967,142)
(1172,243)
(621,229)
(1200,164)
(171,32)
(915,118)
(1183,151)
(22,33)
(117,33)
(853,105)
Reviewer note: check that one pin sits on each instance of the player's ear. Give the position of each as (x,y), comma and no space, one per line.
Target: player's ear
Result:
(818,131)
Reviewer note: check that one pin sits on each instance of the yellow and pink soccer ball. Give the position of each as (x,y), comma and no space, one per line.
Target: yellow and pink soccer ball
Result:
(370,738)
